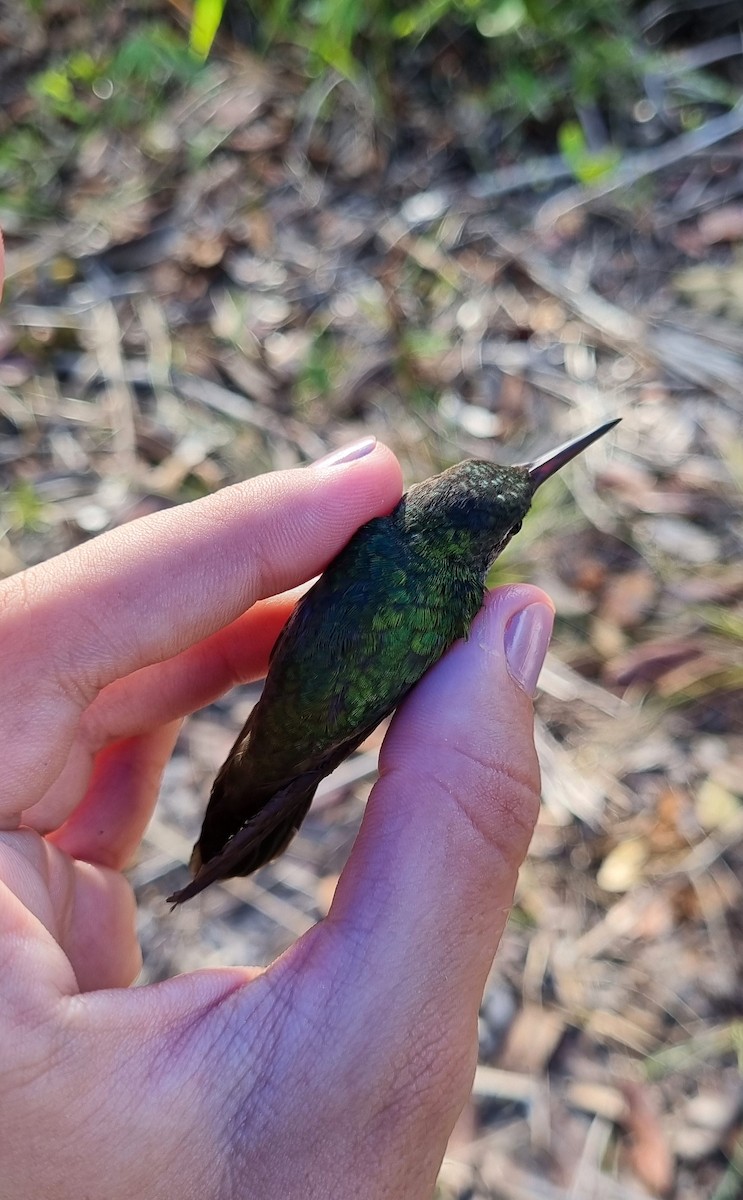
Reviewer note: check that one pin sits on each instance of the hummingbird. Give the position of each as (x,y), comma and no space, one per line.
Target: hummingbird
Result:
(388,606)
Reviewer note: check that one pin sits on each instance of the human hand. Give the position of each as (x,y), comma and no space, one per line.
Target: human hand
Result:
(340,1070)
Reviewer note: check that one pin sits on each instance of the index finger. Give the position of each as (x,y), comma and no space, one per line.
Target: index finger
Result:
(148,590)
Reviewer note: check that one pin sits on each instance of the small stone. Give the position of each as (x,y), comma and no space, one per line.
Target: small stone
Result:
(426,206)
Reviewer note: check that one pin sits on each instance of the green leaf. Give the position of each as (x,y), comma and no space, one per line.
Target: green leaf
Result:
(207,17)
(56,86)
(588,166)
(24,508)
(506,18)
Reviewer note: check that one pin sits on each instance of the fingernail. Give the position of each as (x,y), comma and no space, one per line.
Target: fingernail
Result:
(526,639)
(347,454)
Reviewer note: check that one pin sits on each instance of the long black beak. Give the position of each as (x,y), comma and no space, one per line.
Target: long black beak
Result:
(549,464)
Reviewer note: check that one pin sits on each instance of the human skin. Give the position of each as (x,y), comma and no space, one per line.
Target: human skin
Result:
(339,1071)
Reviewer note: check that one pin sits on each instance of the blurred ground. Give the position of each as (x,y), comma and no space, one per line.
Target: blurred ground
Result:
(246,276)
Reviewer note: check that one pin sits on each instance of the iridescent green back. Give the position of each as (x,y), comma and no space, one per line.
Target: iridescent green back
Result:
(391,603)
(385,610)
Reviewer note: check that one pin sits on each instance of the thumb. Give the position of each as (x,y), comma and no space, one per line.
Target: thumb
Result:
(392,980)
(422,903)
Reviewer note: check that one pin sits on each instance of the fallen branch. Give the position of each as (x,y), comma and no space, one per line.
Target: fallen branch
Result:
(639,166)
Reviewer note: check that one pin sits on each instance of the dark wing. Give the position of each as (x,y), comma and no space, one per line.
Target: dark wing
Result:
(256,843)
(265,835)
(354,646)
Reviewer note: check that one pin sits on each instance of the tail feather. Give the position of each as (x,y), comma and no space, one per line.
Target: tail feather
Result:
(259,840)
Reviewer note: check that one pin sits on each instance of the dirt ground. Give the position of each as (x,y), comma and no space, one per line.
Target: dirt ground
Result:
(249,276)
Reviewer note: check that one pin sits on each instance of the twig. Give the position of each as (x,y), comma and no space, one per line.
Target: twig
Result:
(703,55)
(530,174)
(225,402)
(74,240)
(563,683)
(684,355)
(105,336)
(564,788)
(614,324)
(639,166)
